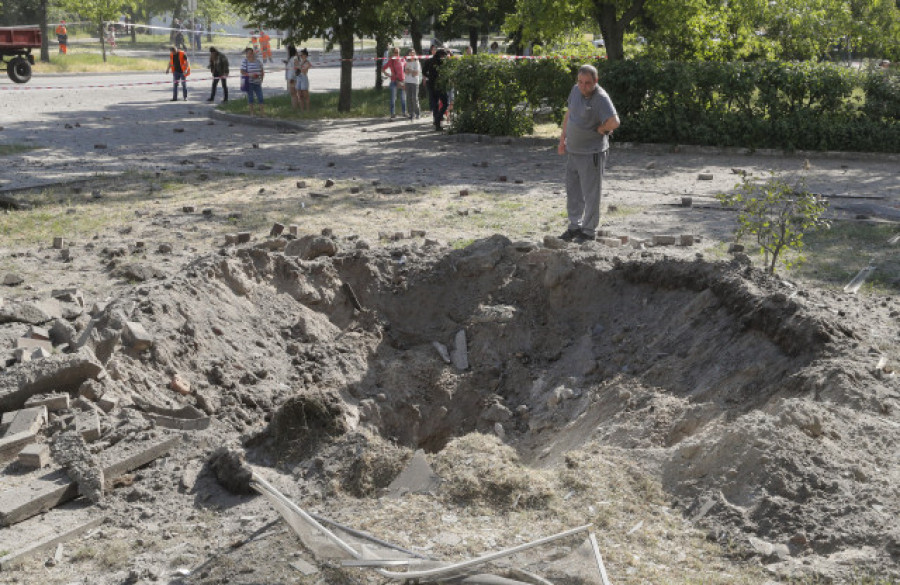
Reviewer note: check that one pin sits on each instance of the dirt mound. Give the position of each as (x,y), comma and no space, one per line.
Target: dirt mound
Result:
(754,404)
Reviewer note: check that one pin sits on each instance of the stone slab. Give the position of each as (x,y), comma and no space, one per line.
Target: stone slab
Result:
(35,455)
(54,488)
(52,402)
(27,420)
(137,336)
(10,445)
(48,542)
(58,373)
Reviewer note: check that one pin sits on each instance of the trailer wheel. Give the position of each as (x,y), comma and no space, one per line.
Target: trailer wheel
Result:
(19,70)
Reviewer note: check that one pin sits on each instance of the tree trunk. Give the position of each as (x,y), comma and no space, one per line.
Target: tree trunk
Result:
(45,40)
(381,45)
(209,30)
(102,41)
(345,40)
(473,39)
(415,32)
(612,29)
(131,20)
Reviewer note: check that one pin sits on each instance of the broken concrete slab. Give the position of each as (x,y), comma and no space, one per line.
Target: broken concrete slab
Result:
(87,424)
(35,455)
(60,372)
(416,478)
(10,445)
(31,344)
(459,356)
(54,488)
(52,402)
(136,336)
(31,312)
(27,420)
(442,351)
(64,533)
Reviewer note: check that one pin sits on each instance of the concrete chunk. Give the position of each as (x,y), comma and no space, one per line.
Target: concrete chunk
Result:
(54,488)
(88,425)
(30,344)
(664,240)
(53,402)
(27,420)
(58,373)
(10,445)
(460,356)
(137,336)
(36,455)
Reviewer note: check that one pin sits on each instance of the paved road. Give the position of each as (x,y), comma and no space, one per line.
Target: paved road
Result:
(131,115)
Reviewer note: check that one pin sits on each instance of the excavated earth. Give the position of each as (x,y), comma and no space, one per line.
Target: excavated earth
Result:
(764,415)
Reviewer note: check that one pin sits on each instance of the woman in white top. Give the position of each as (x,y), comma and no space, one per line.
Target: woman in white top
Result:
(290,74)
(303,67)
(413,70)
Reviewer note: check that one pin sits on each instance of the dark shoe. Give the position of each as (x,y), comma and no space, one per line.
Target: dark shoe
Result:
(582,237)
(211,100)
(569,235)
(438,127)
(173,100)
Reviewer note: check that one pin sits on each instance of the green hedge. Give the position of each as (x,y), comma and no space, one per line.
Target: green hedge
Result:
(807,106)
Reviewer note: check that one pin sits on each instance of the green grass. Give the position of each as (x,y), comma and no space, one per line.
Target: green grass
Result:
(834,256)
(365,103)
(8,149)
(75,62)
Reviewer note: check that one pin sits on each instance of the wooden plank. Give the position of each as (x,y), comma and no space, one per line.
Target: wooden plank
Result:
(54,488)
(48,542)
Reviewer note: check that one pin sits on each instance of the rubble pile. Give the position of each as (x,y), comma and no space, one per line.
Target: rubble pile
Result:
(333,362)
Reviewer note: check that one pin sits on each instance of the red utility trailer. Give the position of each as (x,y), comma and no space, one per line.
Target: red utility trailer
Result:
(16,44)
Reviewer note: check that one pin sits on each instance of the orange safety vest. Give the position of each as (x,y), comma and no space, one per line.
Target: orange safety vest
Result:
(182,58)
(265,45)
(61,30)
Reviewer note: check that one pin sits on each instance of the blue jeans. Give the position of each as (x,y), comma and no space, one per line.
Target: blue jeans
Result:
(254,89)
(395,86)
(176,77)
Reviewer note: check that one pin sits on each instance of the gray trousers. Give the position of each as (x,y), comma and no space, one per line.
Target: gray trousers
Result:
(584,182)
(412,99)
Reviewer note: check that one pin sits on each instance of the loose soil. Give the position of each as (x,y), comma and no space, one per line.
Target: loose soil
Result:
(715,424)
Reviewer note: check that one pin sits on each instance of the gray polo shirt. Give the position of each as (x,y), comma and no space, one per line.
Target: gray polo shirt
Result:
(586,114)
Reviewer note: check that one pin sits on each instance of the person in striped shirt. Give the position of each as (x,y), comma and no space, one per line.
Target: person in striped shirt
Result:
(252,75)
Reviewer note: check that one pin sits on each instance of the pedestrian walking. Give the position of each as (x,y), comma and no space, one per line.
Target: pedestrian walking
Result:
(218,66)
(413,71)
(395,69)
(252,76)
(180,68)
(589,120)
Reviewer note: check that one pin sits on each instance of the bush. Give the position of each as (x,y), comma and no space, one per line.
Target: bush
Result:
(778,215)
(810,106)
(489,98)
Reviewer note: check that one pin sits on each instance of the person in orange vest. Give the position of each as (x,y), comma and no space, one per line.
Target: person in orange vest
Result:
(265,46)
(180,68)
(254,42)
(62,36)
